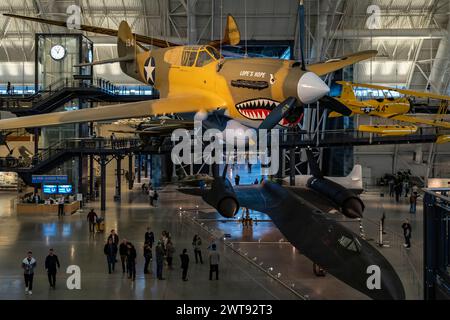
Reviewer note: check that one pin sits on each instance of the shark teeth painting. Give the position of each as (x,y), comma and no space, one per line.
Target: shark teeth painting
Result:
(259,109)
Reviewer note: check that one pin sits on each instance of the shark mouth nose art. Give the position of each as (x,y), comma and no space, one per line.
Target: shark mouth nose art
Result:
(259,109)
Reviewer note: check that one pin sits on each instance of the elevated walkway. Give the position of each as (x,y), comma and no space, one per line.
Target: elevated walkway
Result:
(65,90)
(57,154)
(342,138)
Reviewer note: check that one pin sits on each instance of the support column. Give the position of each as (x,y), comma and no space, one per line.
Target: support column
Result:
(103,182)
(139,167)
(130,172)
(118,178)
(150,166)
(146,166)
(292,166)
(80,177)
(395,159)
(91,177)
(36,145)
(292,158)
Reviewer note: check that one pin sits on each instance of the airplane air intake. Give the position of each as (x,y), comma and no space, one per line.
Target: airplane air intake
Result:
(311,88)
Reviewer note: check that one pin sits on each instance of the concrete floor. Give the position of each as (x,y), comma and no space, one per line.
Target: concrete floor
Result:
(246,256)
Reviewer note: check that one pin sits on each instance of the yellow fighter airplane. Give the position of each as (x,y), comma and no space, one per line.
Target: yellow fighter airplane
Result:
(197,78)
(391,108)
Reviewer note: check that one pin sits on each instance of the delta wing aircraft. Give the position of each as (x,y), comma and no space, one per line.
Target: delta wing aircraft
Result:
(392,108)
(197,78)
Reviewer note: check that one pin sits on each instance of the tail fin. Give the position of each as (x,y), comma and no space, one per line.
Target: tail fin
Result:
(356,173)
(347,90)
(232,35)
(127,50)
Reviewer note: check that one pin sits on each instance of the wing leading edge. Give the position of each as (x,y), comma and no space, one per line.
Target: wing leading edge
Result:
(175,104)
(332,65)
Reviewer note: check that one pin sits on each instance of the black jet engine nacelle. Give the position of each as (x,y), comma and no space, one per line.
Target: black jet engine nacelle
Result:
(222,198)
(350,204)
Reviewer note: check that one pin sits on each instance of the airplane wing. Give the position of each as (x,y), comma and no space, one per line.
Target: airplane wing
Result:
(418,120)
(403,91)
(323,68)
(232,34)
(110,32)
(173,104)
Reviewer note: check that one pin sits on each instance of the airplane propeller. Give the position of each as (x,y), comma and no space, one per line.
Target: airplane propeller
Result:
(285,108)
(301,25)
(279,113)
(335,105)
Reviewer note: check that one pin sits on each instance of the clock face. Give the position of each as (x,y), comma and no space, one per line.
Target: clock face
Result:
(58,52)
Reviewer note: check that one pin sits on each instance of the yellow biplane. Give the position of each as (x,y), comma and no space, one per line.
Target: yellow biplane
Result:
(393,108)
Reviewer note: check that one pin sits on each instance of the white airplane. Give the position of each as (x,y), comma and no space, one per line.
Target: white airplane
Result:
(353,181)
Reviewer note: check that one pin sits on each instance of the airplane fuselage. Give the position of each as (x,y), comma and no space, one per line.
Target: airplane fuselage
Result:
(378,107)
(249,88)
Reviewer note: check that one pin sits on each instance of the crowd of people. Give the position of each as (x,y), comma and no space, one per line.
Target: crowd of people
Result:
(164,256)
(399,185)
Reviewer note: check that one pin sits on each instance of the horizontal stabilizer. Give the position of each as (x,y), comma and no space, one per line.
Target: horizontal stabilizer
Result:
(108,61)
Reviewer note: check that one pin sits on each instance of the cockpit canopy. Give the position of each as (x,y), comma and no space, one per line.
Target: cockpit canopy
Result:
(191,56)
(351,244)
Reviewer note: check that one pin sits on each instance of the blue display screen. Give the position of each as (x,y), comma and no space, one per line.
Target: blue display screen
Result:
(50,188)
(65,189)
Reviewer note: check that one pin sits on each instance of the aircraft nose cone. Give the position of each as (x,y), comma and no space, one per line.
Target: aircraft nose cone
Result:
(311,88)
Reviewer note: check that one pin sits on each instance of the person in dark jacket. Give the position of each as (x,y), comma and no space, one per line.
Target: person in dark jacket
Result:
(110,251)
(197,245)
(123,255)
(406,226)
(131,261)
(184,264)
(92,218)
(214,259)
(159,251)
(28,265)
(114,237)
(148,255)
(398,188)
(149,237)
(52,265)
(170,250)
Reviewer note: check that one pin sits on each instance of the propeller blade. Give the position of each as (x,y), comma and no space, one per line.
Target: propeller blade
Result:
(335,105)
(278,114)
(301,25)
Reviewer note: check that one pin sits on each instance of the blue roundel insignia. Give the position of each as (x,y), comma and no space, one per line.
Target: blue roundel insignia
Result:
(150,71)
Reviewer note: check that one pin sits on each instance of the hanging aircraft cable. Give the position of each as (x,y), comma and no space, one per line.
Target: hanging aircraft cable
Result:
(289,107)
(246,33)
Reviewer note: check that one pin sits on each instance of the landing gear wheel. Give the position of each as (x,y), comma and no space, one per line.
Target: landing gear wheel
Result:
(319,271)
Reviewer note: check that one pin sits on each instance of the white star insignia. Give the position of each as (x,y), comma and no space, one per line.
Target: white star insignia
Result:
(149,70)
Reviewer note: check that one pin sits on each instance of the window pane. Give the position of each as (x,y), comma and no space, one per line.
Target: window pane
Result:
(214,53)
(203,59)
